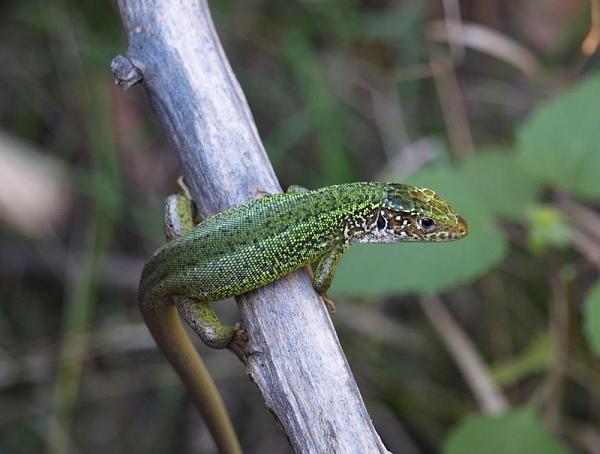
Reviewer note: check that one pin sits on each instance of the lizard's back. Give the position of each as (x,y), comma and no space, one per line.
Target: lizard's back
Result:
(251,245)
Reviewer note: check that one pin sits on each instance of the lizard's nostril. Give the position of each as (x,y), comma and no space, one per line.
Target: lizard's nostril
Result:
(463,226)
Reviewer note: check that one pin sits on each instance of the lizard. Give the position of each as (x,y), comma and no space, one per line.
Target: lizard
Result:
(251,245)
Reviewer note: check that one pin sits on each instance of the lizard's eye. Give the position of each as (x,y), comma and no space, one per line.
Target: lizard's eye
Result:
(428,224)
(381,223)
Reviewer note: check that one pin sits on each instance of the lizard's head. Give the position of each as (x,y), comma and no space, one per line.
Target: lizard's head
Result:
(409,213)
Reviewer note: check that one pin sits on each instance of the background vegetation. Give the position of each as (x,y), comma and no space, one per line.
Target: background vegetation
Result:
(489,344)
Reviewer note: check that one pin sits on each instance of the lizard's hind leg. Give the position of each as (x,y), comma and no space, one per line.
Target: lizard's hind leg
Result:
(204,321)
(179,219)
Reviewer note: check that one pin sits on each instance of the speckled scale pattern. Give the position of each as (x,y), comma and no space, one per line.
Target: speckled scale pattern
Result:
(405,205)
(251,245)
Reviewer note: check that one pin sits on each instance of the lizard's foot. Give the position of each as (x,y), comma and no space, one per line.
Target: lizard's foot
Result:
(328,304)
(239,343)
(204,321)
(295,189)
(185,190)
(260,193)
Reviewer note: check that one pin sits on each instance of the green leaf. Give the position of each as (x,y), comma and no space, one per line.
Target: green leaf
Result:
(559,142)
(591,318)
(504,185)
(379,269)
(516,431)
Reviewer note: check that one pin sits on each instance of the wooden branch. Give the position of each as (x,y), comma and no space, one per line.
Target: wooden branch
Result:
(297,362)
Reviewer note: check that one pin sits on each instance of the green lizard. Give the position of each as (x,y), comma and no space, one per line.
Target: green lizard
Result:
(254,244)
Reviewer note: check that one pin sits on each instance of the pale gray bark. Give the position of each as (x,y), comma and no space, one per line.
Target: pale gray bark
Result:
(298,364)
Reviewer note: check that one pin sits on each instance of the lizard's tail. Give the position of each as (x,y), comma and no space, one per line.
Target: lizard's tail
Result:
(165,325)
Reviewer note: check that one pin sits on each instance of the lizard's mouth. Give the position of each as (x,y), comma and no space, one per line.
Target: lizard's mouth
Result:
(451,232)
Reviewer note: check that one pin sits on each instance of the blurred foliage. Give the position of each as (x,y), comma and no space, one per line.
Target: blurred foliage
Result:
(560,140)
(535,358)
(516,431)
(548,228)
(341,91)
(592,318)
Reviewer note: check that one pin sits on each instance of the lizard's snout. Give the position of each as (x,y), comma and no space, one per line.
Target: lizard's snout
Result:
(462,227)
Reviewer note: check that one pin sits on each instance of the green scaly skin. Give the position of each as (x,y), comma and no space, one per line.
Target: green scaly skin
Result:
(254,244)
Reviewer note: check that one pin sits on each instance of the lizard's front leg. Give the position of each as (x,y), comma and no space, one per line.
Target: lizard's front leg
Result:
(325,273)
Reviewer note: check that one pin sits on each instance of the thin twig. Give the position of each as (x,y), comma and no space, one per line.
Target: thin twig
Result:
(488,394)
(448,89)
(550,393)
(585,227)
(486,40)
